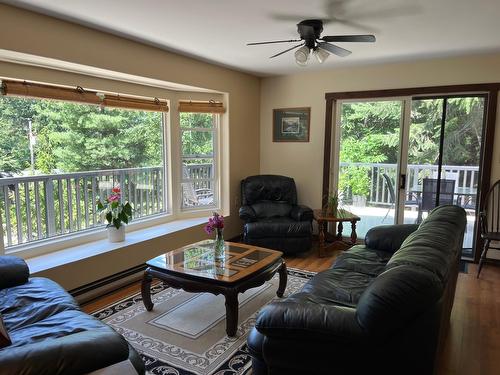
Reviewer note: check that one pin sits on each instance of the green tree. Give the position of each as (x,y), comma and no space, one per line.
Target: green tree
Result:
(14,142)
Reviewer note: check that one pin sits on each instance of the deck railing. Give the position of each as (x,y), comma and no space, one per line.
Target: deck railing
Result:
(465,177)
(43,206)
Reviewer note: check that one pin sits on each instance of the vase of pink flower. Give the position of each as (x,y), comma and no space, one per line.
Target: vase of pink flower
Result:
(216,225)
(116,213)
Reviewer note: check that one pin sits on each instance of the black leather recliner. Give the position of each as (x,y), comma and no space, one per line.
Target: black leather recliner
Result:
(49,332)
(382,308)
(271,214)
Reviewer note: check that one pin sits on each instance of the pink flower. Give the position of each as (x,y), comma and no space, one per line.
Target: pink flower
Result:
(114,197)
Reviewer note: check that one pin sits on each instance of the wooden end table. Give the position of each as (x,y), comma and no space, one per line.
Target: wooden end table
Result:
(194,269)
(323,218)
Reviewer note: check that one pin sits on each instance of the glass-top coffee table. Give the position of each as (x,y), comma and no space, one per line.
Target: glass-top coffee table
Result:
(193,268)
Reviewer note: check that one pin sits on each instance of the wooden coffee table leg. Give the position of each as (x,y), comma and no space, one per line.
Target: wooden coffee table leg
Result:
(231,312)
(146,290)
(321,227)
(283,279)
(354,236)
(340,228)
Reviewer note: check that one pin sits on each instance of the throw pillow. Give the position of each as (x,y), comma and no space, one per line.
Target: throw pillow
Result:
(4,335)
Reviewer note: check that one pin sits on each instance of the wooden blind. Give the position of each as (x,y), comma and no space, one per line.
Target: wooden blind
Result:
(201,107)
(81,95)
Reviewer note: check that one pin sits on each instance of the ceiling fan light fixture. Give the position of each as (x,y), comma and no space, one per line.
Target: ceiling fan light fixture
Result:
(302,55)
(321,55)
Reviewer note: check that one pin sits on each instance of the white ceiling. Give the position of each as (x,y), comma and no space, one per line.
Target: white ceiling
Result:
(217,30)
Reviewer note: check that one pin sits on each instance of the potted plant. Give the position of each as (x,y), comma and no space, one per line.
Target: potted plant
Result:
(333,204)
(216,224)
(117,214)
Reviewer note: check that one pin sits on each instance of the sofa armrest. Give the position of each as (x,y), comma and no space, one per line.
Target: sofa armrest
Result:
(247,214)
(388,237)
(13,271)
(79,353)
(301,213)
(309,321)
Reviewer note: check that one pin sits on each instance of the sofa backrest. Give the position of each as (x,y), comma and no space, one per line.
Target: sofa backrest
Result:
(435,244)
(268,189)
(416,275)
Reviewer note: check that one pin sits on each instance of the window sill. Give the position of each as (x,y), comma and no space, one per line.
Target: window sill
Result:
(75,253)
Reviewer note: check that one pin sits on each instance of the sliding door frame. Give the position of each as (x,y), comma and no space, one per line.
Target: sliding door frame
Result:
(490,92)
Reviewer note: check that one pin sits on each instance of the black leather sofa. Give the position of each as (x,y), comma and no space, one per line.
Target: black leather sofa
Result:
(382,308)
(272,217)
(49,333)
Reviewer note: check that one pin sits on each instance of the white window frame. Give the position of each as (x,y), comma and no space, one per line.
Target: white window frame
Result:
(172,189)
(215,180)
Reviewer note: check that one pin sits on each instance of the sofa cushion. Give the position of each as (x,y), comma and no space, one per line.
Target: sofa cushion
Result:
(363,260)
(338,286)
(278,227)
(34,301)
(265,210)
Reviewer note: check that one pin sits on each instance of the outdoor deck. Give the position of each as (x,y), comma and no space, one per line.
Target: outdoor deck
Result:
(373,216)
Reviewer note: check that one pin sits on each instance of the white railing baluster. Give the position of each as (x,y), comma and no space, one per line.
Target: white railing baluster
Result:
(19,220)
(61,205)
(86,208)
(38,210)
(50,207)
(78,202)
(7,214)
(93,199)
(158,192)
(27,200)
(69,195)
(146,177)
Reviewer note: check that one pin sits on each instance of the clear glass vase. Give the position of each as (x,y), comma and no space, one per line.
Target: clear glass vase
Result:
(219,248)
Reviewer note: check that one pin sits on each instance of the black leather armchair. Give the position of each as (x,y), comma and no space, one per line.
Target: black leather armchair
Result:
(273,219)
(383,307)
(49,332)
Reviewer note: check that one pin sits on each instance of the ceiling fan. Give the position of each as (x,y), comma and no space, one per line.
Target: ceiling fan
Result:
(312,42)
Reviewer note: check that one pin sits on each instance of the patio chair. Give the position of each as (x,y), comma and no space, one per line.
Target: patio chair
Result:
(392,196)
(429,194)
(489,220)
(194,197)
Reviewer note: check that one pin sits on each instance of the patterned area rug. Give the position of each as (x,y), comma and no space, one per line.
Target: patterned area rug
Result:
(185,334)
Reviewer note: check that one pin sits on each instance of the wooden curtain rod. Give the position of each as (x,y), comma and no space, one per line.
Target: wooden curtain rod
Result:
(81,95)
(201,107)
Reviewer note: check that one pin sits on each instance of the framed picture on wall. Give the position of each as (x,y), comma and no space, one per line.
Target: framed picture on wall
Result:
(291,124)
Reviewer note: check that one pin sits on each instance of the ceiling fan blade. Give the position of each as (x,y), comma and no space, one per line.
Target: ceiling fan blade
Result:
(285,51)
(353,24)
(332,48)
(274,41)
(349,38)
(292,17)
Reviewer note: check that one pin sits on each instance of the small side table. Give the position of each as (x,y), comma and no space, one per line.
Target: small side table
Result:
(323,218)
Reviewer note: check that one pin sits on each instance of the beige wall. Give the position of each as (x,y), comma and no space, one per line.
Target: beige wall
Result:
(304,161)
(39,35)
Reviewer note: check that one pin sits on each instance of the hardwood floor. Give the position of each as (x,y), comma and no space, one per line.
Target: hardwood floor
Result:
(473,343)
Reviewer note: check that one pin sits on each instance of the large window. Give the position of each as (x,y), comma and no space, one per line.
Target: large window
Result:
(62,148)
(199,140)
(57,157)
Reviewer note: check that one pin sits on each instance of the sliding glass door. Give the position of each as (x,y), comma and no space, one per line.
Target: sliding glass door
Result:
(400,158)
(369,144)
(444,150)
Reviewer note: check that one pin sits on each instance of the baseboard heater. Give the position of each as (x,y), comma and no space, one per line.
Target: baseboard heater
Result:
(108,284)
